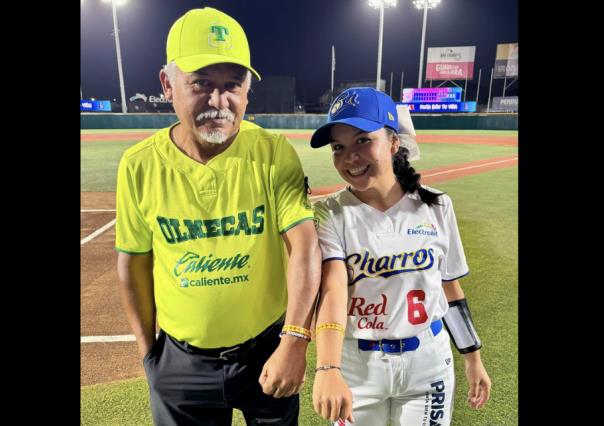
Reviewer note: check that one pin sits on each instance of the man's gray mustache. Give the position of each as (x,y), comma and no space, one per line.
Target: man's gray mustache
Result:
(214,113)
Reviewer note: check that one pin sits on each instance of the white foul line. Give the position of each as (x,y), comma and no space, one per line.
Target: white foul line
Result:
(96,210)
(103,339)
(470,167)
(97,232)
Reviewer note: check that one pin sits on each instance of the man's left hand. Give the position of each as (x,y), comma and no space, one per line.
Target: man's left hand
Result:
(283,373)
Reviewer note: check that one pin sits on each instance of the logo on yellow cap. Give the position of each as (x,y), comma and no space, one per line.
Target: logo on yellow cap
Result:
(219,36)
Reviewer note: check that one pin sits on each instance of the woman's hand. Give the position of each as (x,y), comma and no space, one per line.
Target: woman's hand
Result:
(331,396)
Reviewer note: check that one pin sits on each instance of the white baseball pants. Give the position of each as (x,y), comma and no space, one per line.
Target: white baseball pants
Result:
(413,388)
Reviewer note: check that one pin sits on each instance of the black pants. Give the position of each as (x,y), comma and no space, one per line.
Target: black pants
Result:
(196,389)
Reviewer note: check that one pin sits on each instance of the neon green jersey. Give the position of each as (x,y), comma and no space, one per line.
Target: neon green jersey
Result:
(219,262)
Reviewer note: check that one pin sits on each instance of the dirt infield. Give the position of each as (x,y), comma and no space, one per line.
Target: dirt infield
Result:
(91,137)
(105,362)
(101,313)
(97,200)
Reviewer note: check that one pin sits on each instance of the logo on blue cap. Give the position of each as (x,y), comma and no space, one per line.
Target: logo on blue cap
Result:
(362,107)
(350,98)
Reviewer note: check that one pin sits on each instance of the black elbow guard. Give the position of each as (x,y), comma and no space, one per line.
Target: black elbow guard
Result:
(458,321)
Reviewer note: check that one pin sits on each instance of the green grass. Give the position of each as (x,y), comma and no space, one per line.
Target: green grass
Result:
(120,403)
(469,132)
(98,164)
(99,160)
(486,209)
(318,165)
(423,132)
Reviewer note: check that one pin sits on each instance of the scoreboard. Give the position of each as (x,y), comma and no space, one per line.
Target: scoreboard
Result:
(437,99)
(437,94)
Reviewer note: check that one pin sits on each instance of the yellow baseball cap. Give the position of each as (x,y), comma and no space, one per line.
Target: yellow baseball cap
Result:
(203,37)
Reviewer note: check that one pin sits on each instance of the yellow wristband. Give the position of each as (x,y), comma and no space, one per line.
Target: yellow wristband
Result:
(297,329)
(293,333)
(330,326)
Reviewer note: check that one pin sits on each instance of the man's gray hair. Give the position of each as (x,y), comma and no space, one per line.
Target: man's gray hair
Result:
(170,70)
(171,67)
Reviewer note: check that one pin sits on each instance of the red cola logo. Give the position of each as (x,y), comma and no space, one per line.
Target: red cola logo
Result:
(369,313)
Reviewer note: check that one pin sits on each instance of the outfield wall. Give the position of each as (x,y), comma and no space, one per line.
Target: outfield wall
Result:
(493,121)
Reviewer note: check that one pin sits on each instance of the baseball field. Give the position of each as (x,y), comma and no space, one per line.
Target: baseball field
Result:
(478,169)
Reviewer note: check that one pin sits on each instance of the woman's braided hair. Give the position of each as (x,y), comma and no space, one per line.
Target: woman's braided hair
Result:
(406,176)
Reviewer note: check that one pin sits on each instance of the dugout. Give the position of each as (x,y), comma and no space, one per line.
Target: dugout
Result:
(275,94)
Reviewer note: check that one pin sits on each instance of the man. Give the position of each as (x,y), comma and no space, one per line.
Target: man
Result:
(203,209)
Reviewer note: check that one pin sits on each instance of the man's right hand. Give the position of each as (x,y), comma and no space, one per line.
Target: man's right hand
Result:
(135,273)
(283,373)
(144,348)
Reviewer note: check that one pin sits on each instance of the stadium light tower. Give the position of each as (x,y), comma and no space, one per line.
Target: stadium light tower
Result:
(116,33)
(380,4)
(423,4)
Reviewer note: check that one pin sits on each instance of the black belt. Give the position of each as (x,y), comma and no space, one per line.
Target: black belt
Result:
(232,352)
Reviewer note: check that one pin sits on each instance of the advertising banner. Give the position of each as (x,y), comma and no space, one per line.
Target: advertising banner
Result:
(442,107)
(450,63)
(505,104)
(506,61)
(89,105)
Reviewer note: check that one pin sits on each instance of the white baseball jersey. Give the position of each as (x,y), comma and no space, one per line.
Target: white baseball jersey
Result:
(396,261)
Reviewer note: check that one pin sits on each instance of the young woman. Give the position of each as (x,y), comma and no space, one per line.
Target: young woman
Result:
(392,258)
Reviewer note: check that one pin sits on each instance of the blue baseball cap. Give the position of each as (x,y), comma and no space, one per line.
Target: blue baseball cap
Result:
(362,107)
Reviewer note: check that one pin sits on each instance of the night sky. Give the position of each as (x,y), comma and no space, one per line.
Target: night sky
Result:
(294,38)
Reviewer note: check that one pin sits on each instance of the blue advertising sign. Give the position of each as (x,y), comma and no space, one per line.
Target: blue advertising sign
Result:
(441,106)
(86,105)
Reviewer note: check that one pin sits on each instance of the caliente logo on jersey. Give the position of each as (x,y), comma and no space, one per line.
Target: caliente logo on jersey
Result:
(193,263)
(364,265)
(203,281)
